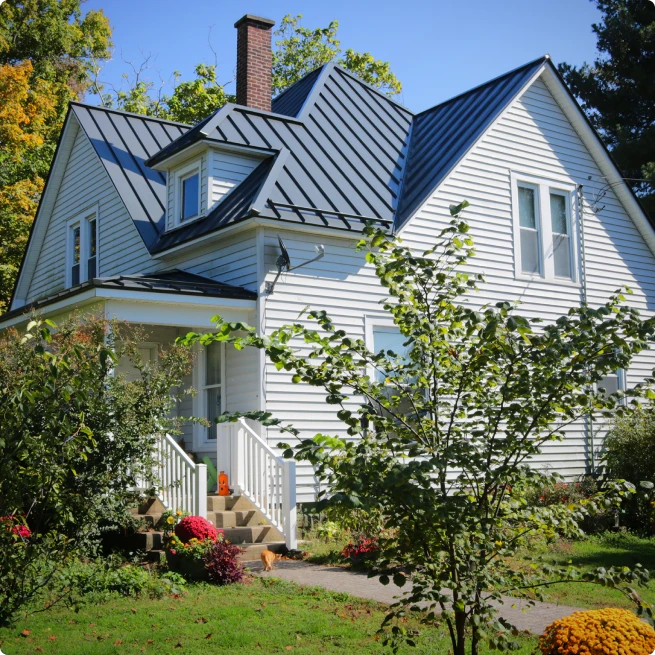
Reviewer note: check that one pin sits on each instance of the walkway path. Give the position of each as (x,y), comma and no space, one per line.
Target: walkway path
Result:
(335,578)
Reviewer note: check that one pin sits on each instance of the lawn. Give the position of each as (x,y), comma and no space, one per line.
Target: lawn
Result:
(604,550)
(267,616)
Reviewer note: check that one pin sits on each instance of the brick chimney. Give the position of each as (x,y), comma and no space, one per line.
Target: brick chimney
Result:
(254,62)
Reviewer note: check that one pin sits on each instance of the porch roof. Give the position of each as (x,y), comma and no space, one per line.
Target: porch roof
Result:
(170,282)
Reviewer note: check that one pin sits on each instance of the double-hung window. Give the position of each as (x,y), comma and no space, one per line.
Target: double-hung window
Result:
(213,387)
(82,249)
(544,239)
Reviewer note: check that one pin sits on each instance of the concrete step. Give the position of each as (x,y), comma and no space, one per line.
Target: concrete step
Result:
(227,503)
(252,535)
(253,552)
(237,519)
(147,541)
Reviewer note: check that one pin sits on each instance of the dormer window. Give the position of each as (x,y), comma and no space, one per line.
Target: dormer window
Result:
(190,195)
(82,249)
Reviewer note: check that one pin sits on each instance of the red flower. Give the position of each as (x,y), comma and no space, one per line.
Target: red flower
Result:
(173,552)
(195,527)
(12,524)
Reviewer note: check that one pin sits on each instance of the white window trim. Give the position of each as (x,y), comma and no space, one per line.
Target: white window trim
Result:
(544,186)
(201,441)
(82,219)
(179,176)
(370,323)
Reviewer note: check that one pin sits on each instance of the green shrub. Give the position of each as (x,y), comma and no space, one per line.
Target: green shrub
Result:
(76,439)
(630,455)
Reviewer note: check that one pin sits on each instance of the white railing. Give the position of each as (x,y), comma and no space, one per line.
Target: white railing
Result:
(268,481)
(182,482)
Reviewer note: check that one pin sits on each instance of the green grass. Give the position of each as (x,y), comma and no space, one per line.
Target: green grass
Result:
(607,550)
(267,616)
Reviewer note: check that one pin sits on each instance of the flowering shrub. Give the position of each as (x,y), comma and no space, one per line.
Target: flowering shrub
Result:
(361,549)
(194,549)
(14,525)
(598,632)
(169,520)
(195,527)
(221,563)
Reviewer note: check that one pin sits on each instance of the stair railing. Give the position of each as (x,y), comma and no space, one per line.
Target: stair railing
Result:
(182,482)
(268,481)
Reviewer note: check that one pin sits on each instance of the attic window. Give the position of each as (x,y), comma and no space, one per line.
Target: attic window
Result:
(544,235)
(189,196)
(82,249)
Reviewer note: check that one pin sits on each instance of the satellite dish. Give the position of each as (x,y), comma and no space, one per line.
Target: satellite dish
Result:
(283,262)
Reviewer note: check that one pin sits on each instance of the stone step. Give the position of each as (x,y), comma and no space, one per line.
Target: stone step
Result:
(237,519)
(227,503)
(252,535)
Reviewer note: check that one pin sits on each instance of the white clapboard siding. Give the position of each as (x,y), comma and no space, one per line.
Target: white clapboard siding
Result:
(533,137)
(85,184)
(226,171)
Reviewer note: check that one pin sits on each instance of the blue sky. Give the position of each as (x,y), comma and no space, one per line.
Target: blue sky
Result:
(437,48)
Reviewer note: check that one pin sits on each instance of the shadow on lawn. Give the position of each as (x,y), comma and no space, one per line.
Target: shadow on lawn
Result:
(618,549)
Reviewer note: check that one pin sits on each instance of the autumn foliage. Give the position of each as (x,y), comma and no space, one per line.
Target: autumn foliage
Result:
(598,632)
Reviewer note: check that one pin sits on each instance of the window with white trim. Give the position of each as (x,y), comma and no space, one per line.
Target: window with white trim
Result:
(189,196)
(545,245)
(612,383)
(212,390)
(82,249)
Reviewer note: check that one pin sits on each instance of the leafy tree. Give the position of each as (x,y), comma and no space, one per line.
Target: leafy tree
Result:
(301,49)
(75,439)
(617,91)
(47,53)
(440,439)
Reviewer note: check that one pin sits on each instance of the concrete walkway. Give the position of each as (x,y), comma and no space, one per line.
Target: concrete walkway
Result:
(335,578)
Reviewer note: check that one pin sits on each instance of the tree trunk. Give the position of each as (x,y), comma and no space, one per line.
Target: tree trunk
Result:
(460,626)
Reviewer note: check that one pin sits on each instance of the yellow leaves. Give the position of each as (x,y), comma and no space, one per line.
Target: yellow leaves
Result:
(26,106)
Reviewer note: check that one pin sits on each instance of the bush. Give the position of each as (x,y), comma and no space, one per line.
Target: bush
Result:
(76,439)
(363,549)
(598,632)
(222,565)
(195,527)
(630,455)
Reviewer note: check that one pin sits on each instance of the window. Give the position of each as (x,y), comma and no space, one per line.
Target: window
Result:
(213,387)
(190,196)
(612,383)
(82,247)
(388,338)
(92,237)
(528,222)
(544,238)
(75,262)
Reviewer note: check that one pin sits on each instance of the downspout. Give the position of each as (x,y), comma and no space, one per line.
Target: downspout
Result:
(589,421)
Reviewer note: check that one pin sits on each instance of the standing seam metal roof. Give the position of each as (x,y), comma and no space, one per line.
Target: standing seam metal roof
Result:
(354,155)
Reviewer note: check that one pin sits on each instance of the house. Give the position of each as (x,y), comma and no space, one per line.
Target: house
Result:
(166,225)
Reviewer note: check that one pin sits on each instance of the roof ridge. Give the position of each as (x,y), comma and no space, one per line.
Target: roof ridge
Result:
(543,58)
(298,81)
(345,71)
(112,110)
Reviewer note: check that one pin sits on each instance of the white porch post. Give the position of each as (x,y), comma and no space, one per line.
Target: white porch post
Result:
(289,504)
(200,491)
(237,442)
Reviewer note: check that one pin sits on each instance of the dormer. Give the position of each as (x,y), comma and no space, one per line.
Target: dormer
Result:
(200,176)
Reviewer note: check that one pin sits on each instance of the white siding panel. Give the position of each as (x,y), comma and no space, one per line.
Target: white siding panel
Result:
(86,184)
(228,170)
(533,137)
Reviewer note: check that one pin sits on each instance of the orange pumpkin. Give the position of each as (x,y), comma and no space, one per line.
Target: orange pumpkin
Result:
(223,489)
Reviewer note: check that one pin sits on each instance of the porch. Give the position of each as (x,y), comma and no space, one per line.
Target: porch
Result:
(163,307)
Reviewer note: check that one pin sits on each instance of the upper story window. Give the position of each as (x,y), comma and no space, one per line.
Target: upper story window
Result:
(543,229)
(189,195)
(82,249)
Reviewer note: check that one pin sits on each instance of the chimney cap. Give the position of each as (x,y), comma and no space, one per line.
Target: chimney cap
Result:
(251,18)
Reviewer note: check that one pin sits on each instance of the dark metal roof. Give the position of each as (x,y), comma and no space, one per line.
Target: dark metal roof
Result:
(236,205)
(124,142)
(441,136)
(174,281)
(347,159)
(292,99)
